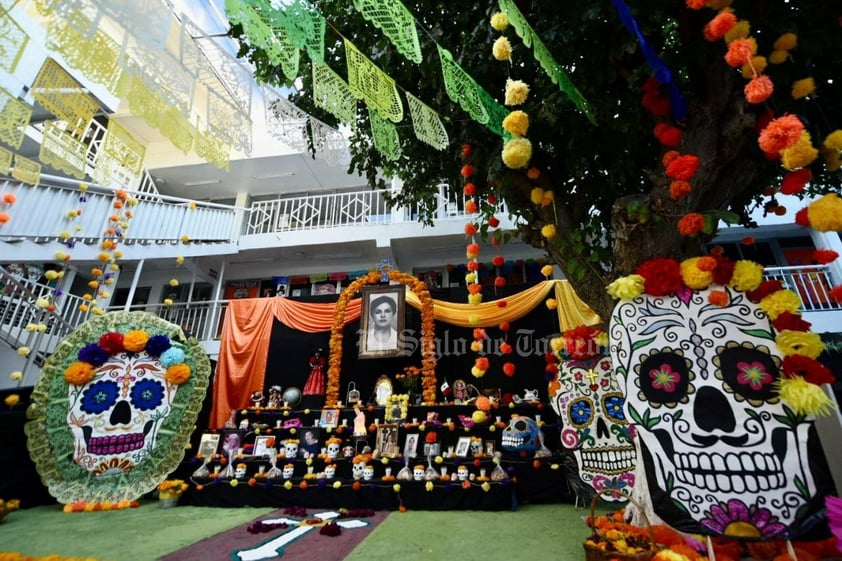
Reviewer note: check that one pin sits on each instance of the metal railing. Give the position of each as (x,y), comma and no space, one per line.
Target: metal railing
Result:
(202,320)
(812,284)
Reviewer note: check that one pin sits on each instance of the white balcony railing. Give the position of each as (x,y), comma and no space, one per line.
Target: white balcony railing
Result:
(812,283)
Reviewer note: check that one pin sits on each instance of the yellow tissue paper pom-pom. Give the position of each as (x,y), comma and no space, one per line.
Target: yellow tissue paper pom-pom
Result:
(626,288)
(786,42)
(756,66)
(747,275)
(805,343)
(551,303)
(779,302)
(778,56)
(479,416)
(179,260)
(500,21)
(516,92)
(51,275)
(173,282)
(185,238)
(396,487)
(517,123)
(16,376)
(12,399)
(740,30)
(825,214)
(833,141)
(547,270)
(502,49)
(803,88)
(694,277)
(428,486)
(473,319)
(557,344)
(517,152)
(800,155)
(486,486)
(548,231)
(24,351)
(536,195)
(167,301)
(477,372)
(803,397)
(474,298)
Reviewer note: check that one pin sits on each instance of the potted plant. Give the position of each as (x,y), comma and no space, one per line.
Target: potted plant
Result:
(169,491)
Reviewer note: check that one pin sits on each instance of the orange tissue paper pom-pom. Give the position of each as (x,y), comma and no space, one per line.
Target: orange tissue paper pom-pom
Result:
(740,52)
(4,217)
(759,89)
(691,224)
(498,261)
(9,198)
(178,373)
(780,133)
(721,24)
(706,263)
(471,207)
(467,170)
(680,188)
(472,250)
(696,4)
(481,363)
(469,189)
(718,298)
(470,229)
(667,135)
(509,369)
(474,288)
(683,167)
(79,373)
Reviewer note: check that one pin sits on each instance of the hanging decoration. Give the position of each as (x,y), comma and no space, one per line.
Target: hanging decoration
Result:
(63,96)
(426,123)
(98,59)
(26,170)
(396,22)
(385,134)
(461,88)
(14,118)
(333,94)
(13,41)
(369,83)
(63,151)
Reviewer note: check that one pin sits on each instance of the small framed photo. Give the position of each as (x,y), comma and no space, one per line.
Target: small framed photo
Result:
(382,319)
(387,440)
(208,444)
(329,418)
(262,444)
(310,445)
(396,407)
(490,446)
(463,445)
(232,442)
(410,446)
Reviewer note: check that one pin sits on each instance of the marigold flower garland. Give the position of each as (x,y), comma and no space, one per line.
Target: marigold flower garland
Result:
(801,373)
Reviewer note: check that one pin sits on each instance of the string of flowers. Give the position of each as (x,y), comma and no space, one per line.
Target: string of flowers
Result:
(428,344)
(801,374)
(472,250)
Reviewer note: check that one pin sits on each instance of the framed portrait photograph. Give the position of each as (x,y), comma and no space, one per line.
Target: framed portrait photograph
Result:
(208,444)
(387,440)
(310,444)
(490,447)
(410,446)
(262,444)
(396,407)
(381,320)
(329,418)
(463,445)
(232,442)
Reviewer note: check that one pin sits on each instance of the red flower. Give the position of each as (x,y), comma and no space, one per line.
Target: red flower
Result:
(656,104)
(480,334)
(680,188)
(802,218)
(493,221)
(470,229)
(469,189)
(748,240)
(668,135)
(506,348)
(112,342)
(467,170)
(473,266)
(471,207)
(492,200)
(795,181)
(431,437)
(501,303)
(509,369)
(683,167)
(810,369)
(482,363)
(836,294)
(691,224)
(766,288)
(824,256)
(498,261)
(499,282)
(792,322)
(661,276)
(505,326)
(466,150)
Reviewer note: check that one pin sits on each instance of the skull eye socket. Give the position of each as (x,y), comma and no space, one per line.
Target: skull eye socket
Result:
(580,412)
(612,407)
(749,372)
(664,377)
(99,397)
(147,394)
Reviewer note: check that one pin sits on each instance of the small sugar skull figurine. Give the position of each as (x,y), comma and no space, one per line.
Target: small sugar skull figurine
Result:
(462,473)
(368,473)
(333,447)
(476,446)
(330,471)
(418,473)
(289,469)
(291,447)
(358,467)
(240,471)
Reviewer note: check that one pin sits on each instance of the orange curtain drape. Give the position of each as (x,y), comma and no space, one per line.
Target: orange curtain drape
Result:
(247,327)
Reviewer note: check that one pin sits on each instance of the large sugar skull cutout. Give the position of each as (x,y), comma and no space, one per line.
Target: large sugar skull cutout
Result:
(588,399)
(115,407)
(522,434)
(722,453)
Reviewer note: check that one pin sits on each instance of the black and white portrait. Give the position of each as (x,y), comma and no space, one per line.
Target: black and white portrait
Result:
(382,320)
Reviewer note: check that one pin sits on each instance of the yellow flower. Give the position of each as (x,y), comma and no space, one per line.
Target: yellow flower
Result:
(173,282)
(694,277)
(61,256)
(71,214)
(758,65)
(12,399)
(517,152)
(536,195)
(548,231)
(833,141)
(51,275)
(32,327)
(500,21)
(16,376)
(804,343)
(786,42)
(516,122)
(179,260)
(779,302)
(516,92)
(502,49)
(557,344)
(475,298)
(547,271)
(740,30)
(825,214)
(470,278)
(803,397)
(97,311)
(64,234)
(626,288)
(167,301)
(747,275)
(778,56)
(192,205)
(24,351)
(477,372)
(551,303)
(803,88)
(185,238)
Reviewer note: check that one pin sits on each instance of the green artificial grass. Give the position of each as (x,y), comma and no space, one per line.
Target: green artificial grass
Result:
(547,531)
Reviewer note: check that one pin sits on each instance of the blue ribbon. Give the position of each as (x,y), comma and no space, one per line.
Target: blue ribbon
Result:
(662,73)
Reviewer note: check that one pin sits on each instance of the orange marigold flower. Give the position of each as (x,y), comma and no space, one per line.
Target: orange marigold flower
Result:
(533,173)
(79,373)
(471,207)
(759,89)
(474,288)
(135,340)
(509,369)
(667,135)
(472,250)
(781,133)
(740,52)
(683,167)
(718,298)
(498,261)
(721,24)
(696,4)
(467,170)
(748,240)
(691,224)
(482,363)
(470,229)
(706,263)
(466,150)
(669,156)
(178,374)
(680,188)
(499,282)
(469,189)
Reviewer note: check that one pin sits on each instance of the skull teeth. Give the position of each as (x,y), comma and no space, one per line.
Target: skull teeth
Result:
(730,473)
(608,461)
(110,445)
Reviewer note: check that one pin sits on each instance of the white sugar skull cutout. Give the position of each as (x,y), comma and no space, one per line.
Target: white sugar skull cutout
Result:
(289,469)
(588,400)
(333,447)
(722,453)
(462,473)
(330,471)
(240,471)
(368,473)
(291,448)
(358,467)
(418,473)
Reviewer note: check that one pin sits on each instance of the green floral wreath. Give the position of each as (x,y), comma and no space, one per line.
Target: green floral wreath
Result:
(51,441)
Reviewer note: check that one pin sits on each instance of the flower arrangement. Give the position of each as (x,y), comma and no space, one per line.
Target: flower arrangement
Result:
(7,506)
(171,488)
(408,379)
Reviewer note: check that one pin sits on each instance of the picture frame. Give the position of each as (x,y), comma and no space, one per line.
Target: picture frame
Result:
(397,406)
(463,445)
(208,444)
(381,321)
(490,447)
(382,390)
(329,418)
(262,444)
(387,440)
(410,446)
(310,444)
(232,442)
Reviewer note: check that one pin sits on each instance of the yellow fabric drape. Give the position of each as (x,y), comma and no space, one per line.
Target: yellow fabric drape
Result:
(247,328)
(571,310)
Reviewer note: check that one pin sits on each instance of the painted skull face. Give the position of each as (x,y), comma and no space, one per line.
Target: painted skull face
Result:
(368,473)
(357,469)
(330,471)
(289,469)
(722,454)
(476,446)
(116,416)
(240,472)
(462,473)
(418,473)
(521,435)
(333,449)
(589,401)
(290,448)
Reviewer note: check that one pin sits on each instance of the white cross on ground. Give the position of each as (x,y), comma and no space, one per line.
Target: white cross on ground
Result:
(274,547)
